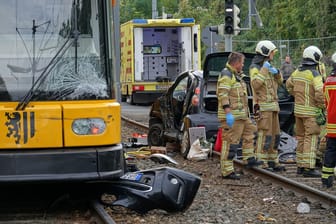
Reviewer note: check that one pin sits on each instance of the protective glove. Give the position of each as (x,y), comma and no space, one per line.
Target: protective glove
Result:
(320,117)
(270,68)
(229,119)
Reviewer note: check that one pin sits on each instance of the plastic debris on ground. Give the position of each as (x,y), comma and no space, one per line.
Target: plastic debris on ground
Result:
(303,208)
(199,150)
(156,154)
(137,140)
(162,158)
(265,217)
(270,200)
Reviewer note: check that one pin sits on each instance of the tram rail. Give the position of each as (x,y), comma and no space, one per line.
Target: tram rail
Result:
(308,187)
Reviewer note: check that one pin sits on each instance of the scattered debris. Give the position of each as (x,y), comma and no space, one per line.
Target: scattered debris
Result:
(137,140)
(172,146)
(199,150)
(265,217)
(158,149)
(156,154)
(303,208)
(161,158)
(268,199)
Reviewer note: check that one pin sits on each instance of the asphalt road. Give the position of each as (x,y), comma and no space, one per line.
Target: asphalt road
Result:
(136,112)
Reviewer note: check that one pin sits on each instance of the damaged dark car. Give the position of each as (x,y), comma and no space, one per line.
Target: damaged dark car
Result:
(192,102)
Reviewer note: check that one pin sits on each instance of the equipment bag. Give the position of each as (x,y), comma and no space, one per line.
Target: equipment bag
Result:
(218,143)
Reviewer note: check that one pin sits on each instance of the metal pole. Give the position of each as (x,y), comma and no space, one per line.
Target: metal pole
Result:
(228,43)
(116,29)
(154,9)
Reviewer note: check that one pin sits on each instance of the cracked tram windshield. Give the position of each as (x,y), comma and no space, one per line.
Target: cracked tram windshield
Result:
(52,50)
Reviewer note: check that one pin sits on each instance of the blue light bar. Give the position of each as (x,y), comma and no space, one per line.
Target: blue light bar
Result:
(187,20)
(140,21)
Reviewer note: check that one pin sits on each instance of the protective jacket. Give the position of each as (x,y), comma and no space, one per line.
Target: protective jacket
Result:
(306,85)
(232,92)
(265,86)
(330,99)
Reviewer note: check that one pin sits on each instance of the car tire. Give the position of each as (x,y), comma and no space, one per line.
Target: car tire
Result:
(185,143)
(155,135)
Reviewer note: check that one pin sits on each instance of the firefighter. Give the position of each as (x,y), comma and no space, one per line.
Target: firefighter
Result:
(322,146)
(306,85)
(322,69)
(329,161)
(265,80)
(233,113)
(322,142)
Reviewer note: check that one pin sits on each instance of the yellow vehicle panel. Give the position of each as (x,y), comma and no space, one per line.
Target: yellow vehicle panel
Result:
(109,112)
(36,127)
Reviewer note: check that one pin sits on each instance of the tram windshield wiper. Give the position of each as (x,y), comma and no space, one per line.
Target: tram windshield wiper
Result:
(26,99)
(73,36)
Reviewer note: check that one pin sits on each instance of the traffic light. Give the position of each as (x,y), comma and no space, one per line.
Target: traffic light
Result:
(236,19)
(218,29)
(229,15)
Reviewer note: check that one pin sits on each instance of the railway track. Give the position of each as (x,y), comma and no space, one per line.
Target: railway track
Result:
(310,188)
(47,204)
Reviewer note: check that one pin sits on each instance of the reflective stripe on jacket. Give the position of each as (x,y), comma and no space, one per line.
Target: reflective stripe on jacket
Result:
(232,91)
(330,97)
(306,85)
(265,87)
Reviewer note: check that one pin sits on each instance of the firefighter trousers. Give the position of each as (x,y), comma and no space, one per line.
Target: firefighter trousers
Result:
(307,133)
(268,137)
(322,144)
(242,130)
(329,161)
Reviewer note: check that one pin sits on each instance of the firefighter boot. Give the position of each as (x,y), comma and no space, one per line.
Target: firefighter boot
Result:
(319,163)
(252,162)
(232,176)
(275,167)
(299,170)
(328,182)
(311,173)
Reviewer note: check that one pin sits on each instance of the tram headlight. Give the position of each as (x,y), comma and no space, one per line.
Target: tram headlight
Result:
(88,126)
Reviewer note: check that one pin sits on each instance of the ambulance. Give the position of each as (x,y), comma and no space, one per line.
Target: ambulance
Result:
(153,53)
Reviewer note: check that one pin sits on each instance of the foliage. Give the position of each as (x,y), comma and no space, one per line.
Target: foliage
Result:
(282,20)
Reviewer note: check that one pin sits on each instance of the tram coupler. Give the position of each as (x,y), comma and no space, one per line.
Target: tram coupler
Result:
(165,188)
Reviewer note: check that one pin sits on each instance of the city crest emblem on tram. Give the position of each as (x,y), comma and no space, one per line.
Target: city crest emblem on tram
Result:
(21,126)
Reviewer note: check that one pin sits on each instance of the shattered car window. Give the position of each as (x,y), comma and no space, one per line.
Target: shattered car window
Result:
(181,89)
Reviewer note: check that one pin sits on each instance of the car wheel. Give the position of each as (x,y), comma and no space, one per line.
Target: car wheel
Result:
(185,143)
(155,135)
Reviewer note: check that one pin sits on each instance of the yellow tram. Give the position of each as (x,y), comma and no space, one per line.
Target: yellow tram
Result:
(59,114)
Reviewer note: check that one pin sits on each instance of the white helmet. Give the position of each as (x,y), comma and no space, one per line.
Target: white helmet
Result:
(265,47)
(333,58)
(313,53)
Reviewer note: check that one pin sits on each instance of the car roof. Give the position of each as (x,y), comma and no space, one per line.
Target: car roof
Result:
(215,62)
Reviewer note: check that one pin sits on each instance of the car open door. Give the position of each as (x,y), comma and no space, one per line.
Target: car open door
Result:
(174,104)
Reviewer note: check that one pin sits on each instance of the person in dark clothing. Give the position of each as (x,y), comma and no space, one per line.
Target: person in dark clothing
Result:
(287,68)
(329,161)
